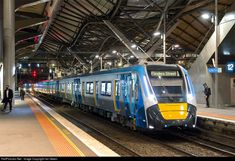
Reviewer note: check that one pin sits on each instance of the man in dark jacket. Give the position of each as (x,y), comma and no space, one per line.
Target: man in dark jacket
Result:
(7,98)
(207,92)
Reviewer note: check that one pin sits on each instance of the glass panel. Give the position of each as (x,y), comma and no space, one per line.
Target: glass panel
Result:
(91,91)
(87,87)
(97,87)
(117,88)
(103,88)
(109,89)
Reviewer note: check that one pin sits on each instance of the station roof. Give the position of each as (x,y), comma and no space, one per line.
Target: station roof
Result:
(74,33)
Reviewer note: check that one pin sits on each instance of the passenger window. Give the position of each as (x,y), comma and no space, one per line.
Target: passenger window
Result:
(136,92)
(109,89)
(89,88)
(106,88)
(124,88)
(75,87)
(79,87)
(91,91)
(97,87)
(117,88)
(103,88)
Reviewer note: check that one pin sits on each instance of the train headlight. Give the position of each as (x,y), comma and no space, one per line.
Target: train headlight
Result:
(190,97)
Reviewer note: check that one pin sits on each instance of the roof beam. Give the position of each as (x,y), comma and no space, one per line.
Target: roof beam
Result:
(25,36)
(27,3)
(24,45)
(137,53)
(21,24)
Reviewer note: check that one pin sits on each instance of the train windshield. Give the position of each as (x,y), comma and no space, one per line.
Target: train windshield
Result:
(168,83)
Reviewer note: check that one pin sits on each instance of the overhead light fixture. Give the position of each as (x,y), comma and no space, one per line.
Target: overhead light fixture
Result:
(97,56)
(131,56)
(133,46)
(176,45)
(114,52)
(156,33)
(205,16)
(227,53)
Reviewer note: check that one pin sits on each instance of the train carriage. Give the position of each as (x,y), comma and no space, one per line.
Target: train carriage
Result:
(141,96)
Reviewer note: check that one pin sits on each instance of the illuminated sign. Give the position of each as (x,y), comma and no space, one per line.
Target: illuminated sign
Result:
(230,67)
(215,70)
(165,74)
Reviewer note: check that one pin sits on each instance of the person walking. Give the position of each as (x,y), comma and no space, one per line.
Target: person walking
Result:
(7,98)
(22,93)
(207,92)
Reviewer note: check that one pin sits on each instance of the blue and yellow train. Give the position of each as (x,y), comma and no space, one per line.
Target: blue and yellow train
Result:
(141,96)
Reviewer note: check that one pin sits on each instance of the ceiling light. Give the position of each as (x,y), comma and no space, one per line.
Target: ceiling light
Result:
(97,56)
(156,33)
(133,46)
(131,56)
(227,53)
(205,16)
(119,64)
(114,52)
(176,45)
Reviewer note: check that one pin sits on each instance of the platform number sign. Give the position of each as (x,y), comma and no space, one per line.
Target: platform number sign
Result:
(230,67)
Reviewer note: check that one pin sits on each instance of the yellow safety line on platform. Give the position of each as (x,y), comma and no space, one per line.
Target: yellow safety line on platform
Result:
(61,132)
(61,143)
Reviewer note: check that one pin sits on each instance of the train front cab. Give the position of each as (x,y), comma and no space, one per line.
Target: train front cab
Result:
(175,95)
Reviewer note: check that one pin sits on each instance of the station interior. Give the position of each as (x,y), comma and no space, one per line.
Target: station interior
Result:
(47,40)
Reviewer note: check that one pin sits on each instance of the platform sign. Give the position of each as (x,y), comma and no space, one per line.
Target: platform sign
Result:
(215,70)
(230,67)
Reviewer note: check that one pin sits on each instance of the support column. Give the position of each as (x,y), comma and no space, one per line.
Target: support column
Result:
(101,63)
(9,43)
(1,49)
(216,53)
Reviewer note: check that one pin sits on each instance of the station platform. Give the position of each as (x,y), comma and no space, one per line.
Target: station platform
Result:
(226,114)
(33,129)
(30,131)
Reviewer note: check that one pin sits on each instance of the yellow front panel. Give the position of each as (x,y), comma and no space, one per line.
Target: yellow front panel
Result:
(174,111)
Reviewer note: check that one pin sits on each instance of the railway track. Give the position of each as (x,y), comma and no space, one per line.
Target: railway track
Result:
(207,142)
(126,150)
(115,143)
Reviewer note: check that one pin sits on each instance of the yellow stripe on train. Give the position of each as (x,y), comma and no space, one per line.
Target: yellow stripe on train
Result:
(174,111)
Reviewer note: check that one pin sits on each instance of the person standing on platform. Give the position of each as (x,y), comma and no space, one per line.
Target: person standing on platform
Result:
(207,92)
(22,93)
(7,98)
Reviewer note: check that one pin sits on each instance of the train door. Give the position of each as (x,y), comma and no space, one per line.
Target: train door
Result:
(116,95)
(126,82)
(83,92)
(96,93)
(134,93)
(76,91)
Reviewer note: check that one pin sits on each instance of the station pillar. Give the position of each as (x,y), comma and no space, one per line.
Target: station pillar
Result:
(1,49)
(9,44)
